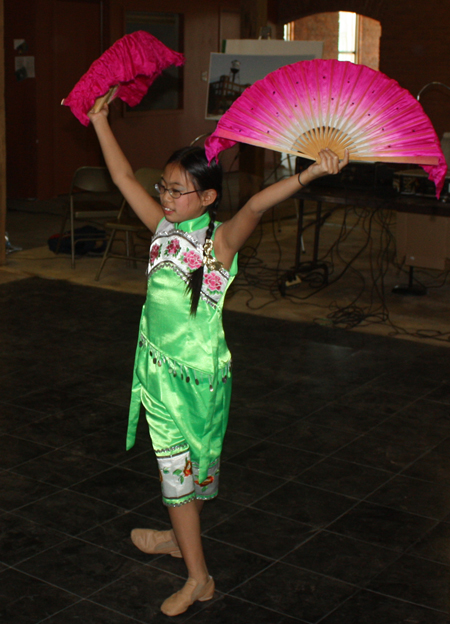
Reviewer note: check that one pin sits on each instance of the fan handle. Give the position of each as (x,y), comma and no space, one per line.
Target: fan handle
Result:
(104,99)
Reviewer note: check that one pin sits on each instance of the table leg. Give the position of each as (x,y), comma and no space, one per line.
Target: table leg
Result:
(411,288)
(302,270)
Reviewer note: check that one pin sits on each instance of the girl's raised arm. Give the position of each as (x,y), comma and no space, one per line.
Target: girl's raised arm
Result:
(232,234)
(147,208)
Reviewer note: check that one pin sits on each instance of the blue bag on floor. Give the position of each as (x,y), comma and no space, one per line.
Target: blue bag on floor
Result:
(95,245)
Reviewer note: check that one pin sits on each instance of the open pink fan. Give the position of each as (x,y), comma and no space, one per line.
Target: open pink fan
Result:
(307,106)
(125,70)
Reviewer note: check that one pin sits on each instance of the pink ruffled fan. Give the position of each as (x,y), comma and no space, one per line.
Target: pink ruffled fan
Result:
(302,108)
(125,70)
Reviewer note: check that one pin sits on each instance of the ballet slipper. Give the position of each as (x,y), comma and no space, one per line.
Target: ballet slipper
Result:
(156,542)
(180,601)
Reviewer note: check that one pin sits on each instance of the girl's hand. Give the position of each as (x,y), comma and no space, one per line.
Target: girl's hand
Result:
(103,112)
(328,163)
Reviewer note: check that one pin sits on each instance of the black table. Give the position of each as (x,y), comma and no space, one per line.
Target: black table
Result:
(373,199)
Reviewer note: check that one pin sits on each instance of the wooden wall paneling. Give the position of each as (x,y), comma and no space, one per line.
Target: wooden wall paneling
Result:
(229,25)
(77,42)
(20,100)
(253,18)
(251,158)
(2,145)
(45,168)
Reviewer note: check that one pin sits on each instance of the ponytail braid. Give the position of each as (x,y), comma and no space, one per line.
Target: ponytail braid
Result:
(196,278)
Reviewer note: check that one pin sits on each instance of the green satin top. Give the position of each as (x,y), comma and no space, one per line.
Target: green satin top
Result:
(195,341)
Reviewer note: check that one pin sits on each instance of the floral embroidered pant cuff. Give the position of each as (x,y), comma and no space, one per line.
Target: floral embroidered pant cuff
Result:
(179,477)
(178,471)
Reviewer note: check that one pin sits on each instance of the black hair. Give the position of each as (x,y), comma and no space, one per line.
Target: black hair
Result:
(204,176)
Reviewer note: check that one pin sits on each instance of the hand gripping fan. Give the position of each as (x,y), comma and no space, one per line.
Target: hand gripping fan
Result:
(304,107)
(125,70)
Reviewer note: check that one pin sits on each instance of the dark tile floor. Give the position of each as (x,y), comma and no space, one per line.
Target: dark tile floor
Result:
(335,495)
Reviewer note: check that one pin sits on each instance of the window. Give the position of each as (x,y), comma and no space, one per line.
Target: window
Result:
(288,31)
(347,45)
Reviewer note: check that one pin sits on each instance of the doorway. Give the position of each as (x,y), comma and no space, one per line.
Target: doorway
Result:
(361,40)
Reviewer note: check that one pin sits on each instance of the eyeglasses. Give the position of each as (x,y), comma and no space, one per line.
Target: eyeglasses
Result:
(174,194)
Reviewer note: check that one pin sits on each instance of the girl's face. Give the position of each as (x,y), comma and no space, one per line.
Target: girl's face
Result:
(185,207)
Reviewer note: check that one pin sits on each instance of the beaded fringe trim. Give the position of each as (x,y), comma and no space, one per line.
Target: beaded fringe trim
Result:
(185,373)
(191,498)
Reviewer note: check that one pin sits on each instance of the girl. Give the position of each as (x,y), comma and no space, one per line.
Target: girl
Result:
(182,371)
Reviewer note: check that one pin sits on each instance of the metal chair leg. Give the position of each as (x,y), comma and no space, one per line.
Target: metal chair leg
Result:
(72,234)
(130,248)
(61,231)
(106,254)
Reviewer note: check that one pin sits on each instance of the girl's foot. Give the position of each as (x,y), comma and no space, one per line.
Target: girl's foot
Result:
(156,542)
(193,590)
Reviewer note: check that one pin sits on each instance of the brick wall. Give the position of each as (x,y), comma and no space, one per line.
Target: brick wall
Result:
(320,27)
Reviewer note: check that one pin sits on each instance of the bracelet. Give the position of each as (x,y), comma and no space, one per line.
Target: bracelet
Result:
(299,181)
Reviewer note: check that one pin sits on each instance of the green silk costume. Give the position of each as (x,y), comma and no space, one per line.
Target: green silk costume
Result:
(182,364)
